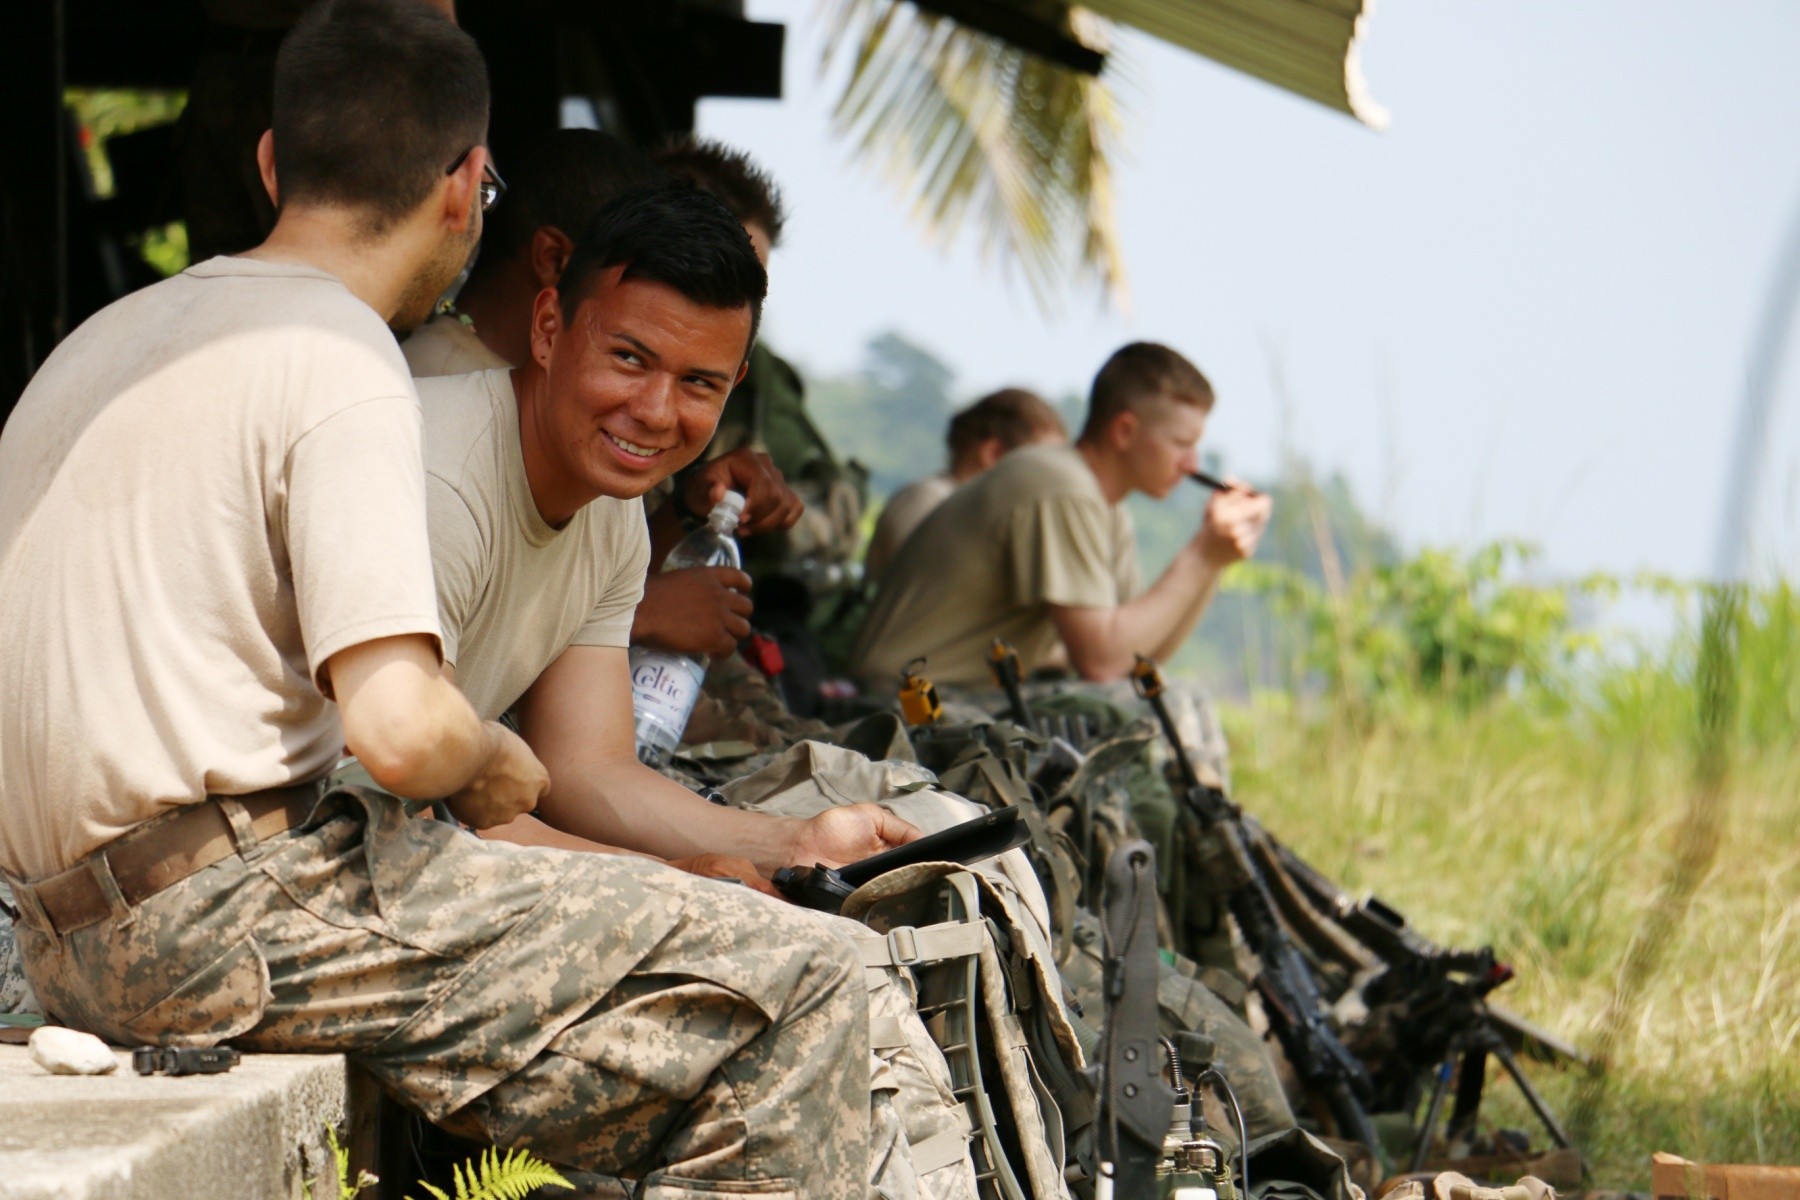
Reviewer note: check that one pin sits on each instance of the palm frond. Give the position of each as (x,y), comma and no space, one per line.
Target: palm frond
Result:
(975,131)
(492,1176)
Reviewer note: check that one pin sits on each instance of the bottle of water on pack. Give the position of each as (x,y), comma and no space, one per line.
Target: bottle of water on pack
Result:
(664,685)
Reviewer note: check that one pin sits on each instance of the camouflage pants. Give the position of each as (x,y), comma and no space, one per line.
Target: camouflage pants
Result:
(607,1012)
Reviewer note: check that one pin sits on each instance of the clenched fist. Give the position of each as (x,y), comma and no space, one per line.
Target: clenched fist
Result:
(769,503)
(1234,523)
(698,611)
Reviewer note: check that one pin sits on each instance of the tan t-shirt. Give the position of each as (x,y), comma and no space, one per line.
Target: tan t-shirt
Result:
(513,592)
(210,488)
(905,510)
(448,345)
(989,561)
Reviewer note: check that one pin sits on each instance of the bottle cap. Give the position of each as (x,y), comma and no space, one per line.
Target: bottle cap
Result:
(726,512)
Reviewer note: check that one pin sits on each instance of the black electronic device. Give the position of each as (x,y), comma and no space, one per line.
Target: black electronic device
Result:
(826,888)
(183,1060)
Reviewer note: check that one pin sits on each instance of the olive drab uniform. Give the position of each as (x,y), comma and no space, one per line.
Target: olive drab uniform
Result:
(767,412)
(805,576)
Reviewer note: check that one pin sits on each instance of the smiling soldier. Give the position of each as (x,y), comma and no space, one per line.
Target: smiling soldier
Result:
(533,481)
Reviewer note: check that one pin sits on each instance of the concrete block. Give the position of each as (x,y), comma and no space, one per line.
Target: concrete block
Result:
(254,1133)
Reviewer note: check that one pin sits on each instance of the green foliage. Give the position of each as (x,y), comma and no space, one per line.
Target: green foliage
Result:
(1629,847)
(495,1177)
(104,114)
(340,1158)
(891,415)
(1654,692)
(1442,624)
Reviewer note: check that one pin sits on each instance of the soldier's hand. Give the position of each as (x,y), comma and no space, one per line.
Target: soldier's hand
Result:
(769,503)
(850,834)
(508,786)
(1234,523)
(724,866)
(698,611)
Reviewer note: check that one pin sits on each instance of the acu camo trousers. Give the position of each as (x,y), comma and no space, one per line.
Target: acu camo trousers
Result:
(607,1012)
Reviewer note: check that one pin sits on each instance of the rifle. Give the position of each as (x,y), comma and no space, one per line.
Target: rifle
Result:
(1444,1025)
(1003,661)
(1435,998)
(1286,984)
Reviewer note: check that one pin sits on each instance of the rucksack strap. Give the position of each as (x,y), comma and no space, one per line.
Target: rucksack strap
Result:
(909,945)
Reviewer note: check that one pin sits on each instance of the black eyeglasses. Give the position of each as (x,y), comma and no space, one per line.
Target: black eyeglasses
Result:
(492,186)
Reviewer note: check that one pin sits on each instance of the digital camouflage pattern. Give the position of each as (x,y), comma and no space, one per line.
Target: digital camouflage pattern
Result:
(739,705)
(15,991)
(607,1012)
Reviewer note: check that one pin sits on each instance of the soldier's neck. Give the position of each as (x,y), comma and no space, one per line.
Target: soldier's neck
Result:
(1112,474)
(499,303)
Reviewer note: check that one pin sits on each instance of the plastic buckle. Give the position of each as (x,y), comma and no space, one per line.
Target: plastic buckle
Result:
(903,946)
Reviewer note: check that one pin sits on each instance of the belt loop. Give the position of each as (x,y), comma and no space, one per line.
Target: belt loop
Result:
(243,831)
(101,870)
(31,913)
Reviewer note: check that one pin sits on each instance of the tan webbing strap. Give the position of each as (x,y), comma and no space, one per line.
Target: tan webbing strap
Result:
(940,1150)
(910,945)
(885,1033)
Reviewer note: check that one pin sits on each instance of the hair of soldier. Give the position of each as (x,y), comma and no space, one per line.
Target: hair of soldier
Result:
(373,100)
(746,188)
(1013,415)
(673,234)
(1138,374)
(561,179)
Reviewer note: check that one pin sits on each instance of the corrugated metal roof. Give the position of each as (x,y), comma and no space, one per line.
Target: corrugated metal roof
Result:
(1308,47)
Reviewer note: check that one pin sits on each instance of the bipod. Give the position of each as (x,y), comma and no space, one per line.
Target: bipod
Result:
(1466,1061)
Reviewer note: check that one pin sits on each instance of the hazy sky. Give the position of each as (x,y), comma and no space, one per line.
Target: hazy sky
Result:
(1524,310)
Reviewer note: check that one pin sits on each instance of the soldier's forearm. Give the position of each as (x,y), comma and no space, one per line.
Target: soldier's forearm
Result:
(628,805)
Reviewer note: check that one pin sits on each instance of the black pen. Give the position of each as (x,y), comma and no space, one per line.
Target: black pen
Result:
(1215,483)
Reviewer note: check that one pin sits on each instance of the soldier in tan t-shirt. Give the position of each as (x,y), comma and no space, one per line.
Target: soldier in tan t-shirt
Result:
(1040,552)
(979,436)
(540,544)
(215,577)
(559,181)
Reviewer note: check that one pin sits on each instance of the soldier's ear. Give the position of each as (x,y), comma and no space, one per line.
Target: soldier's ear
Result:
(546,325)
(265,166)
(550,249)
(1124,429)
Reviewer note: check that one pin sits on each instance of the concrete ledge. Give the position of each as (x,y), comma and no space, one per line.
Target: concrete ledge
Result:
(255,1133)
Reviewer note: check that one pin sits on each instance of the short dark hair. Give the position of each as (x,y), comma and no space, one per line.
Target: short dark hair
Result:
(674,234)
(1138,373)
(1013,415)
(746,188)
(561,179)
(373,99)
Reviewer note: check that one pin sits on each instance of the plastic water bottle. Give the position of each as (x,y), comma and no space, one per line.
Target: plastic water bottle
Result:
(664,685)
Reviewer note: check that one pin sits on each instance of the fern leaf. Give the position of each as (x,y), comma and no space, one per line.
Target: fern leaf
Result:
(491,1176)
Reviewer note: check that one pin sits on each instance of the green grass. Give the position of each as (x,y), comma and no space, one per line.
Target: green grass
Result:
(1551,828)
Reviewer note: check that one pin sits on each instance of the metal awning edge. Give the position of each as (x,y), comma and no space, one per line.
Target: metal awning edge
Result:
(1309,47)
